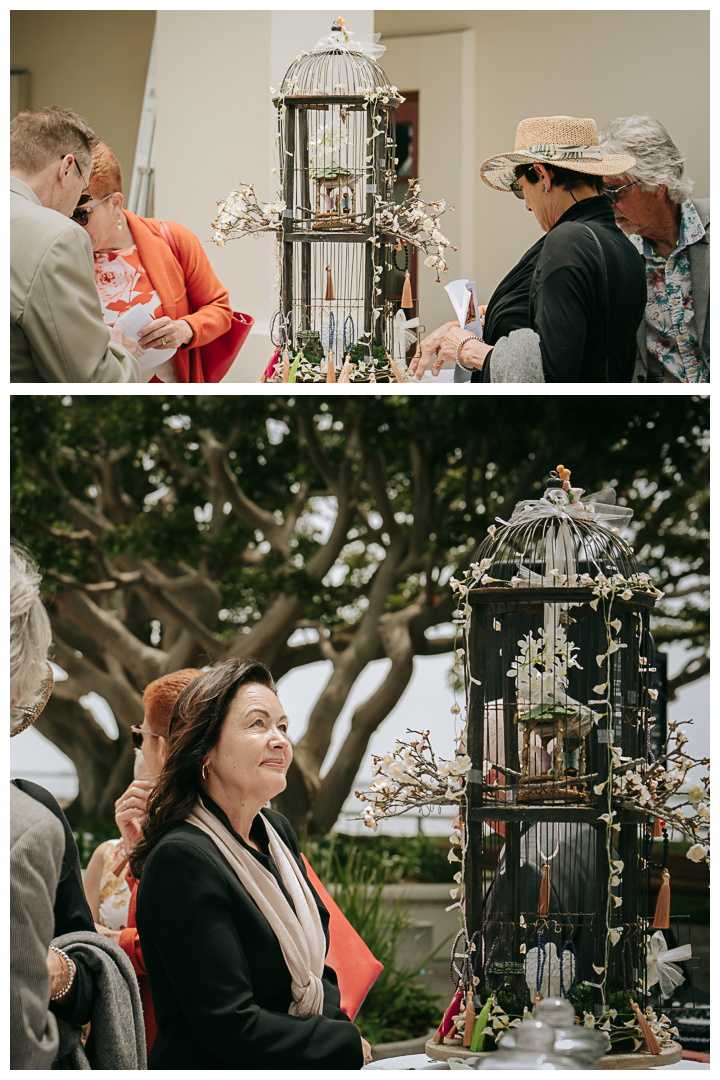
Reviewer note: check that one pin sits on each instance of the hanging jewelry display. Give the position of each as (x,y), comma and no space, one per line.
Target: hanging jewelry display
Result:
(330,378)
(544,898)
(407,300)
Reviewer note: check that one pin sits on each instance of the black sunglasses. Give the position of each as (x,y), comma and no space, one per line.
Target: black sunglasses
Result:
(137,733)
(81,211)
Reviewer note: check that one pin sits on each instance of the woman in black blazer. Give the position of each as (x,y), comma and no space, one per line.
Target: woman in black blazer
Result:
(224,993)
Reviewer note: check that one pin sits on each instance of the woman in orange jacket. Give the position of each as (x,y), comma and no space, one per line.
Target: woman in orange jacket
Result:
(135,264)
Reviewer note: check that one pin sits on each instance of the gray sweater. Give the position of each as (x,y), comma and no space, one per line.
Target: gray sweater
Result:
(117,1029)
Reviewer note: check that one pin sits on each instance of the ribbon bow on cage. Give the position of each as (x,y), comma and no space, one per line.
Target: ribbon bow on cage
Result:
(599,507)
(660,968)
(345,41)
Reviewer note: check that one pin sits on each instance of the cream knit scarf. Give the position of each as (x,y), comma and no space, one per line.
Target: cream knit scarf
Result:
(299,932)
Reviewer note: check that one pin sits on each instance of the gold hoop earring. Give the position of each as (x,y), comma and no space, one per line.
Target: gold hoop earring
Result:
(205,772)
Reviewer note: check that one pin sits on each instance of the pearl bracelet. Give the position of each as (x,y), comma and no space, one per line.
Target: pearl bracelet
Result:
(458,347)
(71,969)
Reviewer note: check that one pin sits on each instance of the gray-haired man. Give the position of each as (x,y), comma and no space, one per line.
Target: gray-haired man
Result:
(671,231)
(57,333)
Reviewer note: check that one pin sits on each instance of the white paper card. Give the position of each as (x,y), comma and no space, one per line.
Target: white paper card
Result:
(464,300)
(136,319)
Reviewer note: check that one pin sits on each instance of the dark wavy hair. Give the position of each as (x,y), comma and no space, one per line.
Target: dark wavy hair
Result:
(195,725)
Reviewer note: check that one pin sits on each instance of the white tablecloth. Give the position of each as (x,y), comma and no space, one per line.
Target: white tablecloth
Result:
(422,1061)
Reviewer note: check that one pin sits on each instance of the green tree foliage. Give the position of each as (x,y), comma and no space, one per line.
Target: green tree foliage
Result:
(177,531)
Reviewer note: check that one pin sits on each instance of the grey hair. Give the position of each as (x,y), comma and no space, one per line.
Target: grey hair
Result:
(30,633)
(657,159)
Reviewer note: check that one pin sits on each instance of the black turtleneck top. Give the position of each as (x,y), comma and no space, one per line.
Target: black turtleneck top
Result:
(220,985)
(567,306)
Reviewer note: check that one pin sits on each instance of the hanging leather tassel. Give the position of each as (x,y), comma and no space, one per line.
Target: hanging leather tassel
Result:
(469,1019)
(650,1041)
(407,300)
(446,1024)
(397,374)
(329,290)
(330,377)
(544,901)
(344,375)
(286,366)
(662,908)
(478,1040)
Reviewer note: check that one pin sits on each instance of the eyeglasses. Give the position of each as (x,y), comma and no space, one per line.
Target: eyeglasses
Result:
(62,158)
(136,734)
(612,194)
(517,190)
(81,211)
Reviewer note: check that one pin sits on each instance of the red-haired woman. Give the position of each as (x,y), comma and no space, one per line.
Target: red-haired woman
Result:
(134,264)
(246,987)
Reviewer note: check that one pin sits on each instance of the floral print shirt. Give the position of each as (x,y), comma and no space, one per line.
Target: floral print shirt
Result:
(115,895)
(672,338)
(122,282)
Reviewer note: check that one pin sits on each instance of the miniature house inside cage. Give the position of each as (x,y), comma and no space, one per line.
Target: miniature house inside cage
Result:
(337,151)
(560,689)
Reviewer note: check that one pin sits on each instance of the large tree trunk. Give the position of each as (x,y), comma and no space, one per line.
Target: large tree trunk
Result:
(104,765)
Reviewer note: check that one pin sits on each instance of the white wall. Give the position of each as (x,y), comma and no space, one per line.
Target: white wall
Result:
(446,144)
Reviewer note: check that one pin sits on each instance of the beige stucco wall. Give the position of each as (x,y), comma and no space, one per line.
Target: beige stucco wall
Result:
(94,62)
(599,64)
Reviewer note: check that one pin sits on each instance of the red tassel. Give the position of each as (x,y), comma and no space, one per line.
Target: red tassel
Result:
(544,901)
(662,908)
(407,300)
(329,291)
(446,1025)
(469,1020)
(650,1041)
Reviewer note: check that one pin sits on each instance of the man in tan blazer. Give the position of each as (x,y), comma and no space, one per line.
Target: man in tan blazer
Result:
(57,333)
(37,845)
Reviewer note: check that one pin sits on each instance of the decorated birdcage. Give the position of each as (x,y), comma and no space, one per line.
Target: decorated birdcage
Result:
(560,709)
(560,784)
(337,152)
(336,220)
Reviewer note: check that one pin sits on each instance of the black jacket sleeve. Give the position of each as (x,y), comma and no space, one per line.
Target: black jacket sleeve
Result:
(198,941)
(71,909)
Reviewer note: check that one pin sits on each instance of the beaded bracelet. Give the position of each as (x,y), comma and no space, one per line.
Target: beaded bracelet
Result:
(459,346)
(71,970)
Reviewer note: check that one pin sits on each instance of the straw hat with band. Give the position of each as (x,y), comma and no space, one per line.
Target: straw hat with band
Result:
(563,141)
